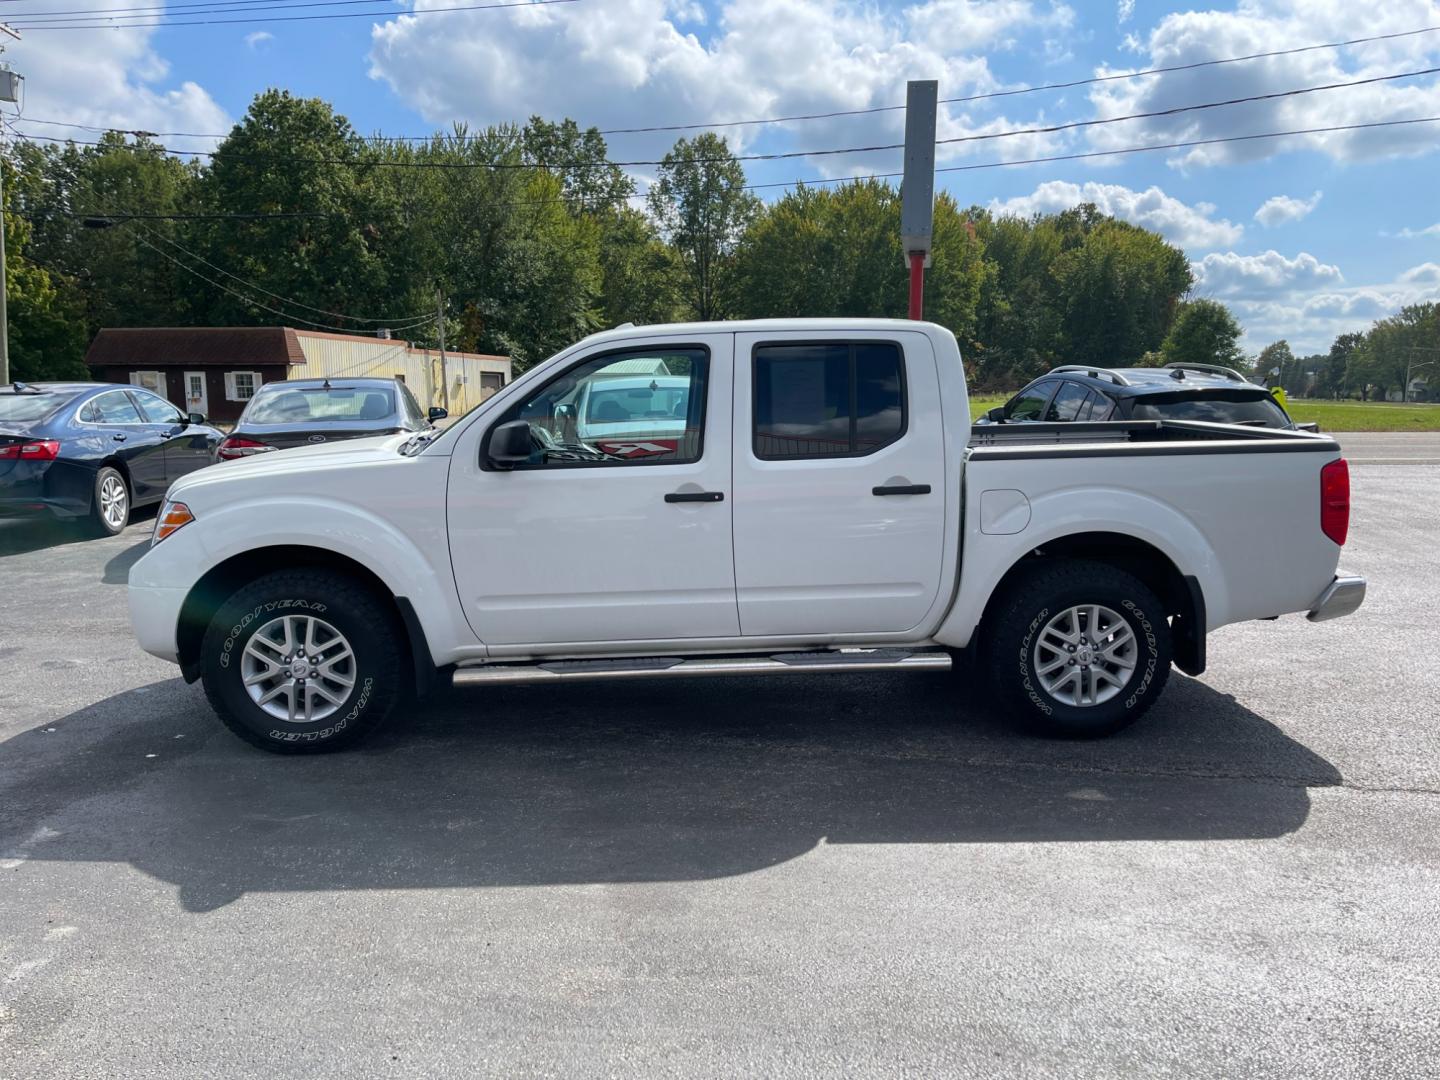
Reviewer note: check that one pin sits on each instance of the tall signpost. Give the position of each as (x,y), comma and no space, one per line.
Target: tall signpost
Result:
(917,190)
(9,91)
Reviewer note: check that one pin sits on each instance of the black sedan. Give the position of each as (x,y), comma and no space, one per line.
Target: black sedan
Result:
(303,412)
(93,451)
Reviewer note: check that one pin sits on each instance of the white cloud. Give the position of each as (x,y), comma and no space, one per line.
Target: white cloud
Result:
(1424,274)
(1261,25)
(1282,209)
(1229,274)
(112,78)
(1123,10)
(1411,234)
(607,64)
(258,38)
(1189,226)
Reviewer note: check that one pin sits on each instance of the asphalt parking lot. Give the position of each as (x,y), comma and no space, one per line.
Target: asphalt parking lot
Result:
(857,874)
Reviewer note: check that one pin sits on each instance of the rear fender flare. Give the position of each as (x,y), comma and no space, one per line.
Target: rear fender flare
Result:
(987,558)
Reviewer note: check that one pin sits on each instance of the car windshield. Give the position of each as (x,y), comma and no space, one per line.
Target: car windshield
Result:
(652,402)
(1261,410)
(299,405)
(22,408)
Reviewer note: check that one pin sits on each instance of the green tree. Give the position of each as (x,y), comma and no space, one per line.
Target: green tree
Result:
(643,279)
(1204,332)
(702,207)
(297,157)
(1275,366)
(1404,344)
(836,251)
(46,338)
(1343,365)
(1073,287)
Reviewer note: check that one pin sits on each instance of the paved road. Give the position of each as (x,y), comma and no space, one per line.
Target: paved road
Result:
(1391,447)
(856,874)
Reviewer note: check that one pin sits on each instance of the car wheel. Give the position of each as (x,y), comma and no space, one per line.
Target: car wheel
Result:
(303,661)
(110,506)
(1078,649)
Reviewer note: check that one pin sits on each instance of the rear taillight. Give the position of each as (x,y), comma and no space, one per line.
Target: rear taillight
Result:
(236,446)
(1335,500)
(41,450)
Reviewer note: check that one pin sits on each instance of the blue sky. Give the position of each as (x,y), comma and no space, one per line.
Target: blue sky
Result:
(1305,237)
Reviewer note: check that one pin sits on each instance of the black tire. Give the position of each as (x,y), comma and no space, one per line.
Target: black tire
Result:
(107,476)
(1022,615)
(365,620)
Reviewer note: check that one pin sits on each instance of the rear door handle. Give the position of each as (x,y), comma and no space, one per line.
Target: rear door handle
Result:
(901,489)
(695,496)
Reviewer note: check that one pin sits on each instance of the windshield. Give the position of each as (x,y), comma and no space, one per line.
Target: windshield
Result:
(299,405)
(22,408)
(638,403)
(1251,410)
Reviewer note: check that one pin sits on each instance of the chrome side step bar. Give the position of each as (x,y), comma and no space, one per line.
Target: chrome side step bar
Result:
(657,667)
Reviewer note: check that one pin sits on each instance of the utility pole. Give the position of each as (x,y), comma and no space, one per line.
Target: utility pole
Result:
(917,189)
(440,321)
(9,91)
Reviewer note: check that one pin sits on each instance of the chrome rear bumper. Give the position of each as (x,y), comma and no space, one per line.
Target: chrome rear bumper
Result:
(1341,597)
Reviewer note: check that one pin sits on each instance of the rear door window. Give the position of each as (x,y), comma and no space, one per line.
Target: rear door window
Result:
(1030,403)
(828,399)
(1065,406)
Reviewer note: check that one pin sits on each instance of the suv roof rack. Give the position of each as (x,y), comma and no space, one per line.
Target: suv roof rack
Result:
(1095,373)
(1209,369)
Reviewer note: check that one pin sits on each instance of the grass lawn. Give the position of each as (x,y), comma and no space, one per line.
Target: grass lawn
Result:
(1366,415)
(1332,415)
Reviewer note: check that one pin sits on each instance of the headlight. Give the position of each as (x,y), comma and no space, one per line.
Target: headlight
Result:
(172,516)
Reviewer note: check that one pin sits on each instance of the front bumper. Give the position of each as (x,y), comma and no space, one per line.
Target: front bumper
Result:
(155,618)
(1341,597)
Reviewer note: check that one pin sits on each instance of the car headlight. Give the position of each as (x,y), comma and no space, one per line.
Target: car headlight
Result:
(172,516)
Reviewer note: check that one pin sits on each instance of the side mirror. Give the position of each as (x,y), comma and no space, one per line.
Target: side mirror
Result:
(195,418)
(996,415)
(1308,425)
(510,444)
(437,413)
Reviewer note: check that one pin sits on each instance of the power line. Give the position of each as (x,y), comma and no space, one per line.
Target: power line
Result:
(249,299)
(208,6)
(289,18)
(1117,152)
(794,118)
(784,155)
(406,320)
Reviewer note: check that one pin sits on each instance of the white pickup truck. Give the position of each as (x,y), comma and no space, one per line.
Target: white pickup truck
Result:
(815,506)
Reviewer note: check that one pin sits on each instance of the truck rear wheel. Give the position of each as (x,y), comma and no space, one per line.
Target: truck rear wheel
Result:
(1078,649)
(303,661)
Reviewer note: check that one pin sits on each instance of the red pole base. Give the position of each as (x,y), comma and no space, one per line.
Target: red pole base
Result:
(917,284)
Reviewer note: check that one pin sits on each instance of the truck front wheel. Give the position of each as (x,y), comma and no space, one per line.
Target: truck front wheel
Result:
(303,661)
(1078,649)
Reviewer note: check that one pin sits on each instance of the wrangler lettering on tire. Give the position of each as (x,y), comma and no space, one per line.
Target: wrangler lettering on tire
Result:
(1078,649)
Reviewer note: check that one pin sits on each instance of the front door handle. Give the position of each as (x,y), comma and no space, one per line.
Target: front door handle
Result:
(695,496)
(901,489)
(119,436)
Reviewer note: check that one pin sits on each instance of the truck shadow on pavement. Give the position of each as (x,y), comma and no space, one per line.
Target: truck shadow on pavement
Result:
(609,783)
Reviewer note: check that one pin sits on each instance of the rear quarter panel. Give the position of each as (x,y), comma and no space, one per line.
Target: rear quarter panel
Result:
(1246,525)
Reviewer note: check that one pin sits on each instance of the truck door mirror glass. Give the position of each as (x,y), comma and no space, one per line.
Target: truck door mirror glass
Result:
(437,413)
(510,444)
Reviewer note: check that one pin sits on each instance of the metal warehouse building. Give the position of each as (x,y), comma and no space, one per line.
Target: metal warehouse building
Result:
(215,370)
